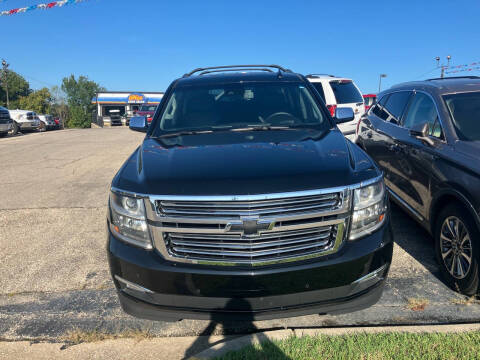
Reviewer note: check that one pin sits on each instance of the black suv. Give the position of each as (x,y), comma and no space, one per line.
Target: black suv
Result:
(426,138)
(245,201)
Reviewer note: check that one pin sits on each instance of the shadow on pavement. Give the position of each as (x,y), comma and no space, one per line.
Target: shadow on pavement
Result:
(267,349)
(415,240)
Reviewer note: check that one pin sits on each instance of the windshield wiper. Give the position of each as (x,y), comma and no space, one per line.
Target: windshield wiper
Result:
(184,132)
(261,127)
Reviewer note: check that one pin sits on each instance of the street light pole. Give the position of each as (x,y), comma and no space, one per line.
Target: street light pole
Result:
(4,78)
(380,81)
(443,67)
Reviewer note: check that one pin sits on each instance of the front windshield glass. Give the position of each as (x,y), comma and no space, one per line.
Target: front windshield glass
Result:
(465,112)
(241,105)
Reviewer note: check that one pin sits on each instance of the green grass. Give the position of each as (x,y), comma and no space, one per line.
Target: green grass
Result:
(367,346)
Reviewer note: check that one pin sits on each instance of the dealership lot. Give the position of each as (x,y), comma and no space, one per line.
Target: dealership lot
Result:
(54,273)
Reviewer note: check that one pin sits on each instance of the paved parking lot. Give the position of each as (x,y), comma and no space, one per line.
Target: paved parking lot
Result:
(54,273)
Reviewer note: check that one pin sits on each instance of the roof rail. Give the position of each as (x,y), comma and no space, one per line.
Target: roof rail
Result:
(317,75)
(206,70)
(239,69)
(455,77)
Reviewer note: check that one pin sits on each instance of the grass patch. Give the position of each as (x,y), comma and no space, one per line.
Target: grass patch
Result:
(79,336)
(415,304)
(394,346)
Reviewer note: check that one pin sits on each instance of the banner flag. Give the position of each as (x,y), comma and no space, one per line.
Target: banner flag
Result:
(44,6)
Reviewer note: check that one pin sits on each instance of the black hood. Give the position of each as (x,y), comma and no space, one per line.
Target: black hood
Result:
(243,163)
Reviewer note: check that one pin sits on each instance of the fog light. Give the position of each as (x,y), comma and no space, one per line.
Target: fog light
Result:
(125,284)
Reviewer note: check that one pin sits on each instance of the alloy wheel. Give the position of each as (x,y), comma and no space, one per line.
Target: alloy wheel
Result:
(456,247)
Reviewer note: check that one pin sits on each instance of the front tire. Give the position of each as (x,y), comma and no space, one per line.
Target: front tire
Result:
(14,130)
(457,242)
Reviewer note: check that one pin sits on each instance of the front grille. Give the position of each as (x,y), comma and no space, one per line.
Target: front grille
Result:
(246,229)
(237,209)
(251,249)
(4,117)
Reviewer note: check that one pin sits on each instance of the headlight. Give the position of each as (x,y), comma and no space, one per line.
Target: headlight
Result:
(128,220)
(369,208)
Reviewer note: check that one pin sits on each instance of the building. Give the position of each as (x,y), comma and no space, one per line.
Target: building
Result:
(117,107)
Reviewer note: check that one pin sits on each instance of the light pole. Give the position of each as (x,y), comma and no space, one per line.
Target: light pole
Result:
(4,78)
(443,67)
(380,81)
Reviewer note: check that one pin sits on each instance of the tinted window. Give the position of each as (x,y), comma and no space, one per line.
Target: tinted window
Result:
(319,88)
(422,110)
(148,107)
(396,104)
(379,108)
(465,112)
(241,105)
(345,92)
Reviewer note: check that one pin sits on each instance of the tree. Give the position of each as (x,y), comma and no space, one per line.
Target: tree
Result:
(59,104)
(79,93)
(17,87)
(39,101)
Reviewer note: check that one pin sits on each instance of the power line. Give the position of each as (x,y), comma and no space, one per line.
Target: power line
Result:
(428,72)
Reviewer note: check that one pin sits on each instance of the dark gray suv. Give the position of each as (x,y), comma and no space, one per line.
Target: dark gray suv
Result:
(426,138)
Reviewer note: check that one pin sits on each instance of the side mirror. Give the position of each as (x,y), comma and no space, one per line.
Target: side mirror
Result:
(138,123)
(343,114)
(419,130)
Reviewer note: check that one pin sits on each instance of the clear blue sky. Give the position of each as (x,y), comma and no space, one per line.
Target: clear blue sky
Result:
(144,44)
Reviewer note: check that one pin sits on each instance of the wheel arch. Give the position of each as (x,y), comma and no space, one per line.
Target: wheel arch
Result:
(447,197)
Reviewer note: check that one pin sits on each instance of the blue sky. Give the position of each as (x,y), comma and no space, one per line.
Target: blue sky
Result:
(145,44)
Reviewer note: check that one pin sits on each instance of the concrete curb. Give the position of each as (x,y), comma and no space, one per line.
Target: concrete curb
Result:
(241,342)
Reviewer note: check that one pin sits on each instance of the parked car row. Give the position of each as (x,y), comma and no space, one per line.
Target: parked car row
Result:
(14,121)
(425,136)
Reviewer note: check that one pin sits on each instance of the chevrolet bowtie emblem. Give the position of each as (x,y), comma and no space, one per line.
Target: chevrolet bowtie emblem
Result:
(249,226)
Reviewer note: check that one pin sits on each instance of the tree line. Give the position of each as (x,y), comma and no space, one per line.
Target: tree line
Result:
(71,101)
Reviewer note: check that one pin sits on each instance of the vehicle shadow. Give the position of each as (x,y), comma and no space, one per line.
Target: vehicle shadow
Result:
(265,349)
(415,241)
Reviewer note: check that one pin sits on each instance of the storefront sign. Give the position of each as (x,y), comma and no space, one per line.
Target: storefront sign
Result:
(136,99)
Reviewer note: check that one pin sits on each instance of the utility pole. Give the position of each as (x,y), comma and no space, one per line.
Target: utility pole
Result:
(443,67)
(380,81)
(5,66)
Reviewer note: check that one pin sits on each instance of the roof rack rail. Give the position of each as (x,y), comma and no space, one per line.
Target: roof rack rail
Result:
(455,77)
(206,70)
(317,75)
(239,69)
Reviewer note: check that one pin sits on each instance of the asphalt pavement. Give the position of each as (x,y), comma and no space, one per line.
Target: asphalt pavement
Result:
(54,274)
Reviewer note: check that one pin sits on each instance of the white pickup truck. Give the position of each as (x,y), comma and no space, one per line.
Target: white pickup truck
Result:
(24,120)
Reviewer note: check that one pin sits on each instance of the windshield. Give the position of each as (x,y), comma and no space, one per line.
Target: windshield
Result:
(241,105)
(465,112)
(346,92)
(148,108)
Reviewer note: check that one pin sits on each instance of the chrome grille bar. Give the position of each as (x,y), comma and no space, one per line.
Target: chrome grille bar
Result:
(239,208)
(218,242)
(210,230)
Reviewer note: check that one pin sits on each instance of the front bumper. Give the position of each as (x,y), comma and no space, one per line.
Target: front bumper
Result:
(156,289)
(5,127)
(27,125)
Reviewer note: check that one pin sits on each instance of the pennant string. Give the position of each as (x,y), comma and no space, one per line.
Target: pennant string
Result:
(44,6)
